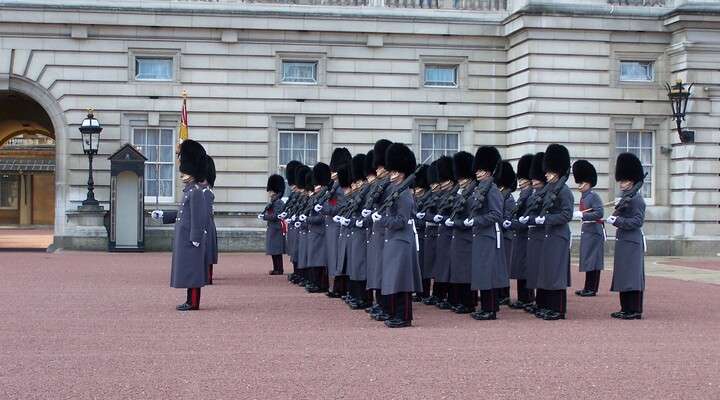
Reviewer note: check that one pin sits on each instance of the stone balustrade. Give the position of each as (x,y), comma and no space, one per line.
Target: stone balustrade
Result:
(479,5)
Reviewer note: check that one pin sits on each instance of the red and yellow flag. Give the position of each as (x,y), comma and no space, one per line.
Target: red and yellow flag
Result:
(183,131)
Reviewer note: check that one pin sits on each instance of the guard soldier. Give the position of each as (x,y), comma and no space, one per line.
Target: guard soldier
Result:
(506,181)
(460,295)
(518,258)
(211,250)
(592,231)
(189,268)
(303,179)
(441,268)
(628,217)
(274,235)
(293,199)
(554,275)
(360,297)
(340,159)
(377,233)
(400,269)
(341,283)
(430,237)
(422,194)
(489,273)
(536,235)
(316,245)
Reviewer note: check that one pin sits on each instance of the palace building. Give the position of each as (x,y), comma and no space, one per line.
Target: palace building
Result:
(274,80)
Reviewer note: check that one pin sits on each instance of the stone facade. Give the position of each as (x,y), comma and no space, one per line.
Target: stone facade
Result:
(529,73)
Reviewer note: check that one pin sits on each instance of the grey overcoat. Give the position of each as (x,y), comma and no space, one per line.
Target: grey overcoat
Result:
(555,266)
(508,206)
(274,239)
(316,245)
(189,269)
(629,265)
(461,247)
(375,243)
(592,233)
(332,231)
(518,259)
(400,268)
(488,260)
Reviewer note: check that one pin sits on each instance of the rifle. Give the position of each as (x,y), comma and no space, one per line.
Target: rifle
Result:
(374,195)
(426,198)
(392,198)
(481,192)
(312,201)
(447,201)
(551,195)
(519,207)
(537,202)
(627,196)
(461,199)
(356,202)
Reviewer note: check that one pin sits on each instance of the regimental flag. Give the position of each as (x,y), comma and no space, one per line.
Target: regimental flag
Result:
(183,131)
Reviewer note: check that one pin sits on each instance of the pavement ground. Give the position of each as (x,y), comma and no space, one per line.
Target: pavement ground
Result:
(79,325)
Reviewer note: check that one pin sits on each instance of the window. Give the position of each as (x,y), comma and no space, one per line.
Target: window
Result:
(639,143)
(441,75)
(298,145)
(434,144)
(299,72)
(153,69)
(636,71)
(158,146)
(9,192)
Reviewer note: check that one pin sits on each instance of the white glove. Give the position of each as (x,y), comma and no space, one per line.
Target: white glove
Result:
(507,224)
(336,219)
(293,218)
(196,244)
(617,201)
(420,215)
(376,217)
(437,218)
(359,223)
(611,219)
(260,216)
(302,218)
(317,207)
(469,222)
(577,215)
(157,215)
(297,224)
(449,223)
(344,222)
(365,213)
(523,220)
(539,220)
(282,215)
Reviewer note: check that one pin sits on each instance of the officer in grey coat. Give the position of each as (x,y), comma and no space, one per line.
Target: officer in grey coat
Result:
(274,235)
(461,296)
(360,297)
(376,241)
(422,194)
(536,235)
(293,199)
(506,181)
(441,268)
(430,236)
(489,273)
(211,249)
(400,269)
(518,257)
(340,159)
(341,282)
(554,274)
(317,256)
(592,231)
(304,178)
(189,268)
(628,217)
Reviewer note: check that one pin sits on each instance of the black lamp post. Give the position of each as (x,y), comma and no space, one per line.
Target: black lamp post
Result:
(679,96)
(90,131)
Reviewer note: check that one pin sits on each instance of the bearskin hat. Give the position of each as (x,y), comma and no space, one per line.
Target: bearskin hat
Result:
(380,149)
(210,174)
(557,159)
(301,174)
(340,156)
(486,159)
(463,165)
(192,159)
(628,168)
(433,174)
(421,178)
(505,176)
(309,182)
(523,169)
(370,163)
(399,158)
(321,175)
(583,171)
(358,167)
(445,169)
(536,167)
(290,169)
(276,184)
(343,174)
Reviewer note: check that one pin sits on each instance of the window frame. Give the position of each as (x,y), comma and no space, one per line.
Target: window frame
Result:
(281,166)
(315,64)
(151,198)
(138,59)
(432,130)
(653,164)
(455,66)
(16,205)
(172,54)
(652,71)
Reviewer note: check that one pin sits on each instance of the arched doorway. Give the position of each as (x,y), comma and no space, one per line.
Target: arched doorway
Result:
(27,172)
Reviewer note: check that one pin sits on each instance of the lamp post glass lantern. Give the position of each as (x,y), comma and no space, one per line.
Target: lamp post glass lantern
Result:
(90,129)
(679,96)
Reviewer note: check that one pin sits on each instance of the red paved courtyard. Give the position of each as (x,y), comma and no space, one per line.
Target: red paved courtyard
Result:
(103,326)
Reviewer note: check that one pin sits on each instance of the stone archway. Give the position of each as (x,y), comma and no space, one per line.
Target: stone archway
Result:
(40,115)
